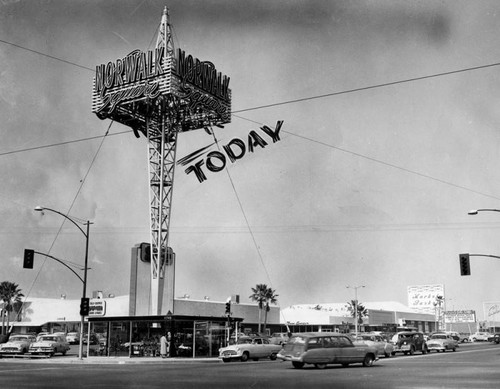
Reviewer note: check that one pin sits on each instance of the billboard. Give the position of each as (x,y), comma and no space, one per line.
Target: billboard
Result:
(492,311)
(464,316)
(422,298)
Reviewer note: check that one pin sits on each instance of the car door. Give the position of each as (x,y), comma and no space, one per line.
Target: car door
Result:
(348,353)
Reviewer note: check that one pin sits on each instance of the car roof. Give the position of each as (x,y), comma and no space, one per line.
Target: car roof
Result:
(316,334)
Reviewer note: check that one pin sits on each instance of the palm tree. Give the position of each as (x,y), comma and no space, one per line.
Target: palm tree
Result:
(263,296)
(11,296)
(362,311)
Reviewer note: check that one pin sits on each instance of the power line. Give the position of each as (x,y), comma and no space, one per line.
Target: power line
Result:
(370,87)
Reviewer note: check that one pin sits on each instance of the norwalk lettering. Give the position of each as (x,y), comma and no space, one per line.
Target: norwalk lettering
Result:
(235,149)
(136,66)
(130,77)
(203,75)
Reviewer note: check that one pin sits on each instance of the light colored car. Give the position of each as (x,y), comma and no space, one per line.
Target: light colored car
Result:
(322,348)
(480,337)
(441,342)
(73,337)
(49,345)
(279,338)
(249,348)
(383,347)
(18,344)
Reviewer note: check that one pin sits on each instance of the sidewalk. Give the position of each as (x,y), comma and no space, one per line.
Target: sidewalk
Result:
(111,360)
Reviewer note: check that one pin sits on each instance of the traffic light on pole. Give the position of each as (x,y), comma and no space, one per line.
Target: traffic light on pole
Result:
(228,308)
(29,257)
(464,264)
(84,306)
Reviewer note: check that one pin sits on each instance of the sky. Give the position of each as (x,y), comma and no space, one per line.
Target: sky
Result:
(390,135)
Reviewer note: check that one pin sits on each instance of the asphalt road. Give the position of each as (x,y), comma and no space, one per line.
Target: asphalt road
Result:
(472,366)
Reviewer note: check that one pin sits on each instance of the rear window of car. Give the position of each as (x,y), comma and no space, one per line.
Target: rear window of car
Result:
(297,340)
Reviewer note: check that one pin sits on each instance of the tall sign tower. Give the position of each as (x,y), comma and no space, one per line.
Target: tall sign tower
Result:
(159,94)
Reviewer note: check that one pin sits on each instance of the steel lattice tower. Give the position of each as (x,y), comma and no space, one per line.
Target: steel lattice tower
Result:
(152,92)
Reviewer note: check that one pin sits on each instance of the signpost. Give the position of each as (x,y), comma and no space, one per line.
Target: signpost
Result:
(160,93)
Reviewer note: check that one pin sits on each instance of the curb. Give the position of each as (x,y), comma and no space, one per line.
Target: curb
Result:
(111,360)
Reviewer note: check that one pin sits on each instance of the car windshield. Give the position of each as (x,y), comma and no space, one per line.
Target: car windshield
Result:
(50,338)
(438,336)
(244,341)
(17,338)
(297,340)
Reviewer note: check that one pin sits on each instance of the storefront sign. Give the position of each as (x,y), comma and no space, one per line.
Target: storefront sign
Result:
(460,316)
(235,149)
(97,307)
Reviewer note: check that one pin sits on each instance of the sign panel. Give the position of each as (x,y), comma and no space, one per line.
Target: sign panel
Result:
(124,89)
(464,316)
(97,307)
(422,297)
(492,311)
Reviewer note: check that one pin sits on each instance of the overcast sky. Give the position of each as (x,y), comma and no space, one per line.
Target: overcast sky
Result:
(369,185)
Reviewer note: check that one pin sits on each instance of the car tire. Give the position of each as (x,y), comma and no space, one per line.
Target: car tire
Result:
(387,355)
(412,351)
(320,365)
(368,361)
(244,357)
(273,357)
(393,353)
(298,365)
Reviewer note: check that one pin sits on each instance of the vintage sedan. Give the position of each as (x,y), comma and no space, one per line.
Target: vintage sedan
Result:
(249,348)
(480,336)
(441,342)
(18,344)
(409,342)
(49,345)
(322,348)
(383,346)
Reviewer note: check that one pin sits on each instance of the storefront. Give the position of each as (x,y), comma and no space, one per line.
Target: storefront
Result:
(139,336)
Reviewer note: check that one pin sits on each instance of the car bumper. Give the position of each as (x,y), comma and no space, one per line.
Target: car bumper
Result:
(230,355)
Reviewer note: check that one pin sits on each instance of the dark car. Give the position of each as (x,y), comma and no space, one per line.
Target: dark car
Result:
(409,342)
(496,338)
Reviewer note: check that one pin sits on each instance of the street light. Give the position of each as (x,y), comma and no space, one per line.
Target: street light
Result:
(475,211)
(86,234)
(355,306)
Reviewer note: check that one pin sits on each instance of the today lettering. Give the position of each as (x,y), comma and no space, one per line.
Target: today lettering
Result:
(235,149)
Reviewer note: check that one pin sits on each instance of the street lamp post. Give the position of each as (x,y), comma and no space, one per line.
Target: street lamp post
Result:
(355,306)
(84,293)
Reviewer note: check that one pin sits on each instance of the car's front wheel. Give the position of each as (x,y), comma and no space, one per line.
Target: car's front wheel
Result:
(298,365)
(273,357)
(320,365)
(244,357)
(368,361)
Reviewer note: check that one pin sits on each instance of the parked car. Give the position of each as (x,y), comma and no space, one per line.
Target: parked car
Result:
(383,347)
(408,343)
(322,348)
(279,338)
(17,344)
(249,347)
(49,345)
(441,342)
(480,336)
(73,337)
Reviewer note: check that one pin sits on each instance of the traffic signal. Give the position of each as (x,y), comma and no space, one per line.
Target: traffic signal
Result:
(29,257)
(464,264)
(145,253)
(228,308)
(84,306)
